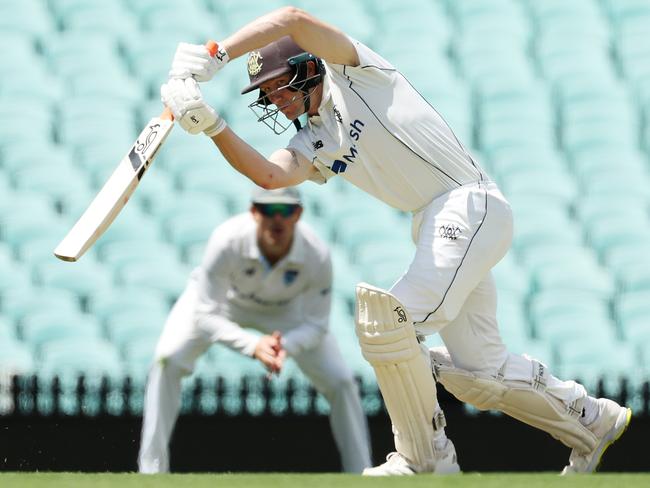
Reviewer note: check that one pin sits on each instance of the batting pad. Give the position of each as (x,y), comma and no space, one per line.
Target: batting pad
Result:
(528,401)
(388,342)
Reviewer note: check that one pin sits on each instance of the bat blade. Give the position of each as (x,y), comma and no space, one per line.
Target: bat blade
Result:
(117,190)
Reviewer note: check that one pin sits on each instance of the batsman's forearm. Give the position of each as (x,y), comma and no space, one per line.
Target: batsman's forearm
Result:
(249,162)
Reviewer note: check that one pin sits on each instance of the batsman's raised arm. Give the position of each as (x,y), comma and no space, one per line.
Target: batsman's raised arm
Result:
(285,64)
(313,35)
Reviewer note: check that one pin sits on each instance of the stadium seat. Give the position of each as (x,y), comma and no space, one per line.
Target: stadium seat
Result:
(529,234)
(552,254)
(624,254)
(125,326)
(575,327)
(22,227)
(594,208)
(550,304)
(14,275)
(169,279)
(28,16)
(104,17)
(118,254)
(630,306)
(7,330)
(85,278)
(124,299)
(599,358)
(634,278)
(576,276)
(132,225)
(89,356)
(45,326)
(19,302)
(16,357)
(510,277)
(186,230)
(607,232)
(65,184)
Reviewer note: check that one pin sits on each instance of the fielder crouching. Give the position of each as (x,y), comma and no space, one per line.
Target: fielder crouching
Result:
(267,271)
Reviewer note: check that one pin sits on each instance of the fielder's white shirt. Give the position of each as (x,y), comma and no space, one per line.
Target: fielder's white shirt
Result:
(235,281)
(375,130)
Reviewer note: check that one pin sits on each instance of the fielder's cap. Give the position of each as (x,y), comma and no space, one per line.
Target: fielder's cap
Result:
(289,195)
(270,62)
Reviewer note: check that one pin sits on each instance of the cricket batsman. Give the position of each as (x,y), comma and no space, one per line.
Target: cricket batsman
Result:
(367,124)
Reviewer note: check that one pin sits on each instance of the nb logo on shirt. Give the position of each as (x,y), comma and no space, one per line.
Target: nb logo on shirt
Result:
(449,231)
(339,166)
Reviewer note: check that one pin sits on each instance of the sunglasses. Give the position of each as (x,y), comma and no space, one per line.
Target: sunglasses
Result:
(270,209)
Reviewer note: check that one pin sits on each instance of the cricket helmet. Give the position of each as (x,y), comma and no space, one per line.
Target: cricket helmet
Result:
(278,58)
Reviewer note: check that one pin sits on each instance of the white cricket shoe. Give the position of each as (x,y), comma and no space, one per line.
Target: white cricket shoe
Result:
(610,424)
(398,465)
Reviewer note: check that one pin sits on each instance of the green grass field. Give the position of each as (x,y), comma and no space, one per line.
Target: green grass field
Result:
(279,480)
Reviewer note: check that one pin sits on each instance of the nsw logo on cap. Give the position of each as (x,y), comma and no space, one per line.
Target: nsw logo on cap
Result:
(254,63)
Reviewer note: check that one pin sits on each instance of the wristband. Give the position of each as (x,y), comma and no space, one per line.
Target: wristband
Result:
(216,128)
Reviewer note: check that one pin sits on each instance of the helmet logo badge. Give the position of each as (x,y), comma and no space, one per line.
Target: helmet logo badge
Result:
(254,63)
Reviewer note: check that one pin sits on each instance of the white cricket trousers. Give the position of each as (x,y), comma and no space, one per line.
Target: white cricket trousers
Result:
(181,344)
(449,288)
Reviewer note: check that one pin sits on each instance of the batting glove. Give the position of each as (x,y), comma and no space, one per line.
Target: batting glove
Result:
(184,99)
(195,60)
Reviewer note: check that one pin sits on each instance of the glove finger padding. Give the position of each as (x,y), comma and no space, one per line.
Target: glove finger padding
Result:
(172,97)
(195,60)
(192,90)
(185,100)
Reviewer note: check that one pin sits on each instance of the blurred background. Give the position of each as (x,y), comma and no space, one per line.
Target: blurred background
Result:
(552,96)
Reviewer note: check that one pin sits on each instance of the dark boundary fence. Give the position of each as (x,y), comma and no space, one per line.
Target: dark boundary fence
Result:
(49,431)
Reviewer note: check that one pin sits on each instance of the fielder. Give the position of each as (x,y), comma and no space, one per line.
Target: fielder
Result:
(264,270)
(367,124)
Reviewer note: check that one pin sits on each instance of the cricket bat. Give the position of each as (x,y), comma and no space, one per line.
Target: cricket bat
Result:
(117,190)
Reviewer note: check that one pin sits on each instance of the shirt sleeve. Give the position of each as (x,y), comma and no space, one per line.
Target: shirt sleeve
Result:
(367,59)
(300,142)
(316,303)
(213,281)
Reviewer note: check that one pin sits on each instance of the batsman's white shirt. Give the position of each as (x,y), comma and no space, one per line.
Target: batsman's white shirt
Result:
(375,130)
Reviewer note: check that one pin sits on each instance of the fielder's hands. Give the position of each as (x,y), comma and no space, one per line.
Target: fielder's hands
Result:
(184,99)
(270,353)
(194,60)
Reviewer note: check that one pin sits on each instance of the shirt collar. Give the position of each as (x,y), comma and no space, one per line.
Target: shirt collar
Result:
(325,97)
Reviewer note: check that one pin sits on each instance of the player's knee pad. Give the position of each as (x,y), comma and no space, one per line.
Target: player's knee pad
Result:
(389,343)
(526,400)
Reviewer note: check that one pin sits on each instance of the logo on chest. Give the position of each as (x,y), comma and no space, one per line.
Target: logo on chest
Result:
(339,166)
(290,276)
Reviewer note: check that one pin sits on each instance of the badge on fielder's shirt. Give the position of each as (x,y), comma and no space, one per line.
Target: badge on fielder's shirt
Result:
(290,276)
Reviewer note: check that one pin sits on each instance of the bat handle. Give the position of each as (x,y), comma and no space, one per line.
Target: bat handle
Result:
(212,48)
(167,114)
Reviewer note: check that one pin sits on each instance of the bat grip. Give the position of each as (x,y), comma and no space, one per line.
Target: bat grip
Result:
(167,114)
